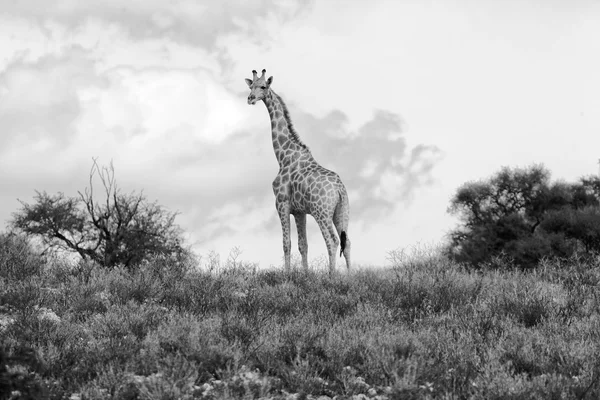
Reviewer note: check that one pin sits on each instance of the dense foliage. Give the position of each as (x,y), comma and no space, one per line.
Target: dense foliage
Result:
(424,328)
(519,214)
(120,229)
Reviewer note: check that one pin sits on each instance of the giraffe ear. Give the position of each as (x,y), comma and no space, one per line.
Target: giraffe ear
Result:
(249,82)
(269,81)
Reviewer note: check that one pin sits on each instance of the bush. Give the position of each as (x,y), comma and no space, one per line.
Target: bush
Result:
(123,229)
(580,226)
(518,213)
(18,260)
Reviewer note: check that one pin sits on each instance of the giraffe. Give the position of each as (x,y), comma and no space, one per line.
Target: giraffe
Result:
(302,186)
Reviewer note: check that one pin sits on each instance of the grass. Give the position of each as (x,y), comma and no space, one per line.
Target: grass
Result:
(424,328)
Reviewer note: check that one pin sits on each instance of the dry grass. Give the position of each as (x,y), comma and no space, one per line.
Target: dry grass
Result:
(424,328)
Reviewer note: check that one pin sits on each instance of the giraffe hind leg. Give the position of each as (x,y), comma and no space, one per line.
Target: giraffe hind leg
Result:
(331,240)
(346,251)
(343,234)
(302,241)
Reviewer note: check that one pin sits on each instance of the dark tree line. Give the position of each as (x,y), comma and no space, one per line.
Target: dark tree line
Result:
(520,213)
(114,229)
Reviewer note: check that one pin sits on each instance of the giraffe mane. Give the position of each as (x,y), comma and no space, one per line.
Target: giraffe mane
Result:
(286,114)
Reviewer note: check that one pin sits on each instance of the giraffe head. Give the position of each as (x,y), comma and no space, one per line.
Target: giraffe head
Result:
(259,87)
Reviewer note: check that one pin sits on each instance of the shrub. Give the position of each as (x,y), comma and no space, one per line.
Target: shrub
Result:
(518,212)
(18,260)
(123,229)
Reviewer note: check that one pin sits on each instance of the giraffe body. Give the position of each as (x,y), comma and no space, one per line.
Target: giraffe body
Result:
(302,185)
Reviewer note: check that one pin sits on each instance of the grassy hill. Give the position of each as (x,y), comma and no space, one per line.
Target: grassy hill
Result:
(422,328)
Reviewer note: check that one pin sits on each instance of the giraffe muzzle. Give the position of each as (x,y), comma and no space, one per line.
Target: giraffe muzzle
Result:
(251,100)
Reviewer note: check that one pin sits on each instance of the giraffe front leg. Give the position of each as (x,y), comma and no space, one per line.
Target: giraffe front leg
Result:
(283,209)
(331,240)
(302,241)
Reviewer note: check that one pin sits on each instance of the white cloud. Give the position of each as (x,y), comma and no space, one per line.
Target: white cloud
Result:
(150,115)
(39,104)
(187,21)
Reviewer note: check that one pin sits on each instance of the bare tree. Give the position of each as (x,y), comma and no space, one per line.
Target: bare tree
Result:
(119,229)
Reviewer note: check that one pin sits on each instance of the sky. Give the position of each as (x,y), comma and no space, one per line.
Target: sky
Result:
(405,100)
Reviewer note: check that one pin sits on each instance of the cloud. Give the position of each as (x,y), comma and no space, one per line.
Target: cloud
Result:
(375,162)
(200,23)
(41,97)
(63,105)
(40,103)
(225,187)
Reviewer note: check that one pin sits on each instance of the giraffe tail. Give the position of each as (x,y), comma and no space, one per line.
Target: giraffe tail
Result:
(341,217)
(342,242)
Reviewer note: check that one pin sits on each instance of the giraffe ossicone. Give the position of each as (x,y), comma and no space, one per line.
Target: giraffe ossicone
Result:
(302,186)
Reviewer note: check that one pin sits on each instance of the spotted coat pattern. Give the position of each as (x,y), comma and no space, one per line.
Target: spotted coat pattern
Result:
(302,185)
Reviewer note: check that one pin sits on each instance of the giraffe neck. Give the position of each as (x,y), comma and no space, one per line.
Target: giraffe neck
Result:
(286,142)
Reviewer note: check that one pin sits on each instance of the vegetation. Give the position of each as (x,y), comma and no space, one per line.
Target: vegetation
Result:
(134,317)
(424,328)
(121,229)
(518,214)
